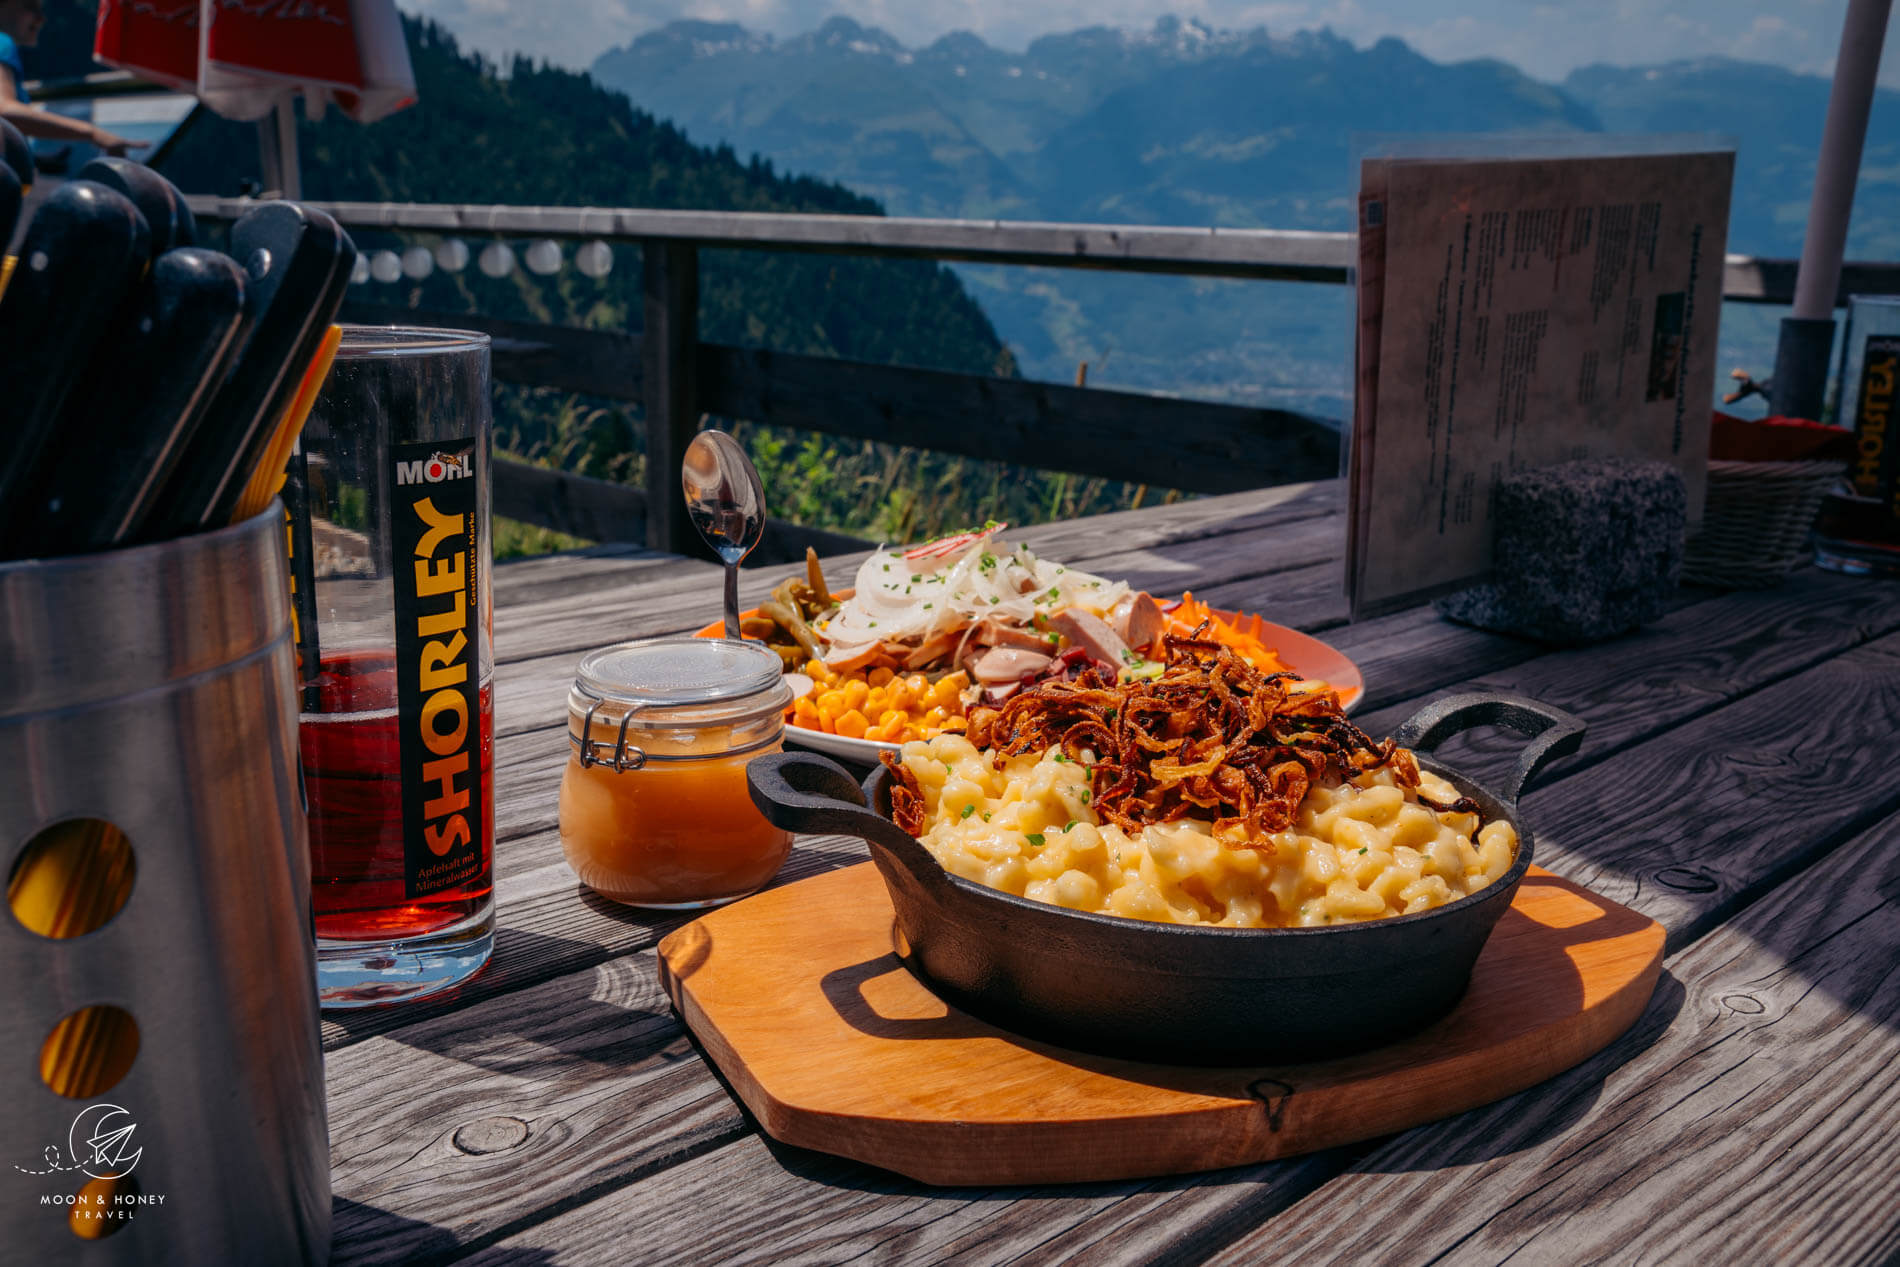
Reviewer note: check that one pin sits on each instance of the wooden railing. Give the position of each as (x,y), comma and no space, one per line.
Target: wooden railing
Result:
(1196,446)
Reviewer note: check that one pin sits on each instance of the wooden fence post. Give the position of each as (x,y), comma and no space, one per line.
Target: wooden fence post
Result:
(669,350)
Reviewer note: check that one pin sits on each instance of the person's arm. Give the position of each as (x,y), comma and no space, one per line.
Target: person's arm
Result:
(34,121)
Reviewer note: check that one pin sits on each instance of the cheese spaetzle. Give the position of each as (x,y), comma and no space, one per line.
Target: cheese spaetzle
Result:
(1362,849)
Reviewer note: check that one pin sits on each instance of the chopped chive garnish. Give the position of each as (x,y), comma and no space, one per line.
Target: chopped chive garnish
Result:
(971,809)
(1035,838)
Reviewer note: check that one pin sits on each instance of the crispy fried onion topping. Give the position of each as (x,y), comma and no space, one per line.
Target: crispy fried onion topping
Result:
(1211,736)
(907,799)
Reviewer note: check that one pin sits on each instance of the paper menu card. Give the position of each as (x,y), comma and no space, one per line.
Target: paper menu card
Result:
(1514,313)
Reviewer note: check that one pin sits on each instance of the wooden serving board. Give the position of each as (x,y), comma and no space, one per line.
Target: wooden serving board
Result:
(798,996)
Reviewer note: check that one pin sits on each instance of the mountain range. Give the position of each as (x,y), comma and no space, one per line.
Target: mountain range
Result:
(1185,124)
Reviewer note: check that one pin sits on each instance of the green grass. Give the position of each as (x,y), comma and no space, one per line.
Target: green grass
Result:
(516,540)
(878,491)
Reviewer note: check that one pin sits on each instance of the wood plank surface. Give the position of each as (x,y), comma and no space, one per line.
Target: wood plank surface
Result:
(556,1111)
(529,764)
(1781,813)
(688,594)
(1692,660)
(1280,254)
(1806,981)
(1750,1116)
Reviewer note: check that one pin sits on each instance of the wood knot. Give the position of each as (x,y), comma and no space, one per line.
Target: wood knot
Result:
(1746,1004)
(1687,879)
(490,1135)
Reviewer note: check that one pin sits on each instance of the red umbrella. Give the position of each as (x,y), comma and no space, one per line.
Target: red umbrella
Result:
(244,61)
(349,52)
(155,40)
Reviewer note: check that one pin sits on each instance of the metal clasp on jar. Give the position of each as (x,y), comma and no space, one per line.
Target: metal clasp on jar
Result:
(625,757)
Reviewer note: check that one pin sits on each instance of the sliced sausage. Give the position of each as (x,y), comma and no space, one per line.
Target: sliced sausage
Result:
(1090,634)
(1002,633)
(1139,621)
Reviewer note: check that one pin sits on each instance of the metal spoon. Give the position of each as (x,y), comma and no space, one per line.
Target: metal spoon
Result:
(727,505)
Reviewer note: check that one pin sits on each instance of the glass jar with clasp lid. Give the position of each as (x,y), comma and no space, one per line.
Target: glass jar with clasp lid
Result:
(654,807)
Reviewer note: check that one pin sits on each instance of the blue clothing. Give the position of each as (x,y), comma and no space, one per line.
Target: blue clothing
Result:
(10,58)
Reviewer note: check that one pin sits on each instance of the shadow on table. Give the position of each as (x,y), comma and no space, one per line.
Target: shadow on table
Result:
(363,1230)
(524,960)
(856,1176)
(1533,1116)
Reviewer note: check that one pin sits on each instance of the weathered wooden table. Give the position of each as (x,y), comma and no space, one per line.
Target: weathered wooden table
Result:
(1738,785)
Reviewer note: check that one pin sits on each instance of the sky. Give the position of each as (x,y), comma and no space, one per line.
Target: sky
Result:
(1548,40)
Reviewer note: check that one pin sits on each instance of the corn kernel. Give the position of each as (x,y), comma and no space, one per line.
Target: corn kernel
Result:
(880,675)
(855,692)
(852,724)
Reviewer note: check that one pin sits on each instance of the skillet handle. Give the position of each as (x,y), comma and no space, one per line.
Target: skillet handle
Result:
(806,793)
(1552,732)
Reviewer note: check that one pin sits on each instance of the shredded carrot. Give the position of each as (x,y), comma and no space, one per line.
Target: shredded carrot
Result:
(1186,618)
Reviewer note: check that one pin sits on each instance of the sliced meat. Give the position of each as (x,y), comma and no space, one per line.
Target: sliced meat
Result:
(1008,664)
(933,649)
(1092,635)
(847,659)
(1003,633)
(1138,621)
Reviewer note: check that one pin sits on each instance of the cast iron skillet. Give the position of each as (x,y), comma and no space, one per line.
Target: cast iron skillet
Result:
(1168,992)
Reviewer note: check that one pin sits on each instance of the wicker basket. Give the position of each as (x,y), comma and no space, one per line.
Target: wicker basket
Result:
(1756,525)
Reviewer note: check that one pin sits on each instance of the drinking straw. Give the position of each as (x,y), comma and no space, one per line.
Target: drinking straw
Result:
(269,475)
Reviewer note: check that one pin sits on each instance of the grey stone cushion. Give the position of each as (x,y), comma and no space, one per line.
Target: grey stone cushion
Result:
(1581,551)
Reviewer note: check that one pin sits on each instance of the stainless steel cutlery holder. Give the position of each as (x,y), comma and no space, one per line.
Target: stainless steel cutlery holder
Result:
(153,689)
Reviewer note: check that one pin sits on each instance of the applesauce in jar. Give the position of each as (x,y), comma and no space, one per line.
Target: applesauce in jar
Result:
(654,808)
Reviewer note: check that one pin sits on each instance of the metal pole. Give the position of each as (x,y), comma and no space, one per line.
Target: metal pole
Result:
(287,157)
(277,151)
(1807,334)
